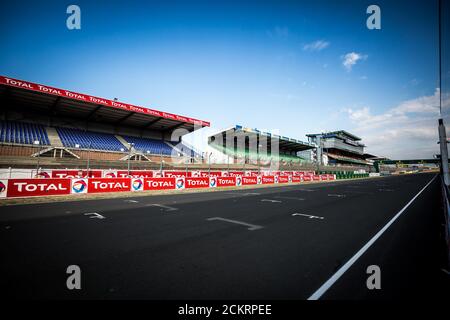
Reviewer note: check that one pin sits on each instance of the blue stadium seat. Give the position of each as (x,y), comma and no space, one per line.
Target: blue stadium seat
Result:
(22,133)
(153,146)
(89,140)
(186,150)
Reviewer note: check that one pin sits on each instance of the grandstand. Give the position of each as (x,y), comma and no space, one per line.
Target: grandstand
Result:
(252,146)
(339,148)
(61,125)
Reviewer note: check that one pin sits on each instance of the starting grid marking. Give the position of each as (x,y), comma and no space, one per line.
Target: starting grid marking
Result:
(251,227)
(94,215)
(308,216)
(162,206)
(290,198)
(271,200)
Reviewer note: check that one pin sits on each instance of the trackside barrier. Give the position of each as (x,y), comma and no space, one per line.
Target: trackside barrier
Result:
(446,205)
(11,188)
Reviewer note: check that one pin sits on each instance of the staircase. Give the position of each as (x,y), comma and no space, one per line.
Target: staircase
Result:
(53,137)
(122,141)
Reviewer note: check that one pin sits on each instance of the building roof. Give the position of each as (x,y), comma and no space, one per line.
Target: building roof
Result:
(60,102)
(284,142)
(334,133)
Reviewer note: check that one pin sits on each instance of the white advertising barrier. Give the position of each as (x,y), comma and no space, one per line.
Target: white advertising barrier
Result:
(180,183)
(137,184)
(79,186)
(213,182)
(374,174)
(3,188)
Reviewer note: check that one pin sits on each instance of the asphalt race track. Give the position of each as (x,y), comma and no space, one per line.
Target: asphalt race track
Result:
(267,243)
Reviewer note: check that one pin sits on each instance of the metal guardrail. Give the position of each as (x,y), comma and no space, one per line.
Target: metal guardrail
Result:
(446,203)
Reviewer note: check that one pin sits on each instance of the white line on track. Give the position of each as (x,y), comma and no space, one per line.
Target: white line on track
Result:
(131,201)
(335,277)
(94,215)
(251,227)
(308,215)
(290,198)
(162,206)
(336,195)
(271,200)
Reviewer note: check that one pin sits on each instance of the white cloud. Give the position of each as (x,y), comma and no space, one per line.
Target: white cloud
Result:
(316,45)
(350,59)
(408,130)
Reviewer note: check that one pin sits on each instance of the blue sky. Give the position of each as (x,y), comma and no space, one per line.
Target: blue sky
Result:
(283,65)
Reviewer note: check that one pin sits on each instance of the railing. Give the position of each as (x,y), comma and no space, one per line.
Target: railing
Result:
(446,204)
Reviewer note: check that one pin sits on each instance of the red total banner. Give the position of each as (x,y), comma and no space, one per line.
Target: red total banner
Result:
(97,185)
(226,181)
(212,173)
(99,101)
(283,179)
(296,179)
(135,174)
(236,173)
(268,179)
(159,183)
(76,174)
(177,174)
(201,182)
(37,187)
(249,180)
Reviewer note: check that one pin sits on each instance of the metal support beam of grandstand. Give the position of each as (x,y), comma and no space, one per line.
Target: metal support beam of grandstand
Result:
(54,106)
(168,129)
(124,118)
(151,123)
(91,114)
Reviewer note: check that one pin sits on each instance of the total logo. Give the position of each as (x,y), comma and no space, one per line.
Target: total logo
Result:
(137,185)
(238,181)
(290,178)
(2,189)
(276,179)
(179,183)
(213,182)
(110,175)
(259,180)
(79,186)
(43,174)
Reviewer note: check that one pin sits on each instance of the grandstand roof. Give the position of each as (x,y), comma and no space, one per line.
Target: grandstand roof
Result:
(334,133)
(284,142)
(45,99)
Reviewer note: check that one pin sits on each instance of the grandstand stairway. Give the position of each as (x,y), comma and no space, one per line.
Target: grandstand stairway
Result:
(122,141)
(53,137)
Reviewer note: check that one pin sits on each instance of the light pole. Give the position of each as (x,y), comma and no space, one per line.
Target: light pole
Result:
(88,159)
(78,147)
(161,164)
(38,143)
(129,156)
(209,164)
(148,155)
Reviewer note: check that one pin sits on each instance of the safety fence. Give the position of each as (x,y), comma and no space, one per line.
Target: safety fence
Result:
(13,188)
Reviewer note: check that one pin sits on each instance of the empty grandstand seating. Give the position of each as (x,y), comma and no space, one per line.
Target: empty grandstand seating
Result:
(185,149)
(153,146)
(89,140)
(22,133)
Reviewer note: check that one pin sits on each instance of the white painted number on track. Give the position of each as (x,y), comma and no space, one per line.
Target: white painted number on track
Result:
(270,200)
(308,215)
(167,208)
(251,227)
(94,215)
